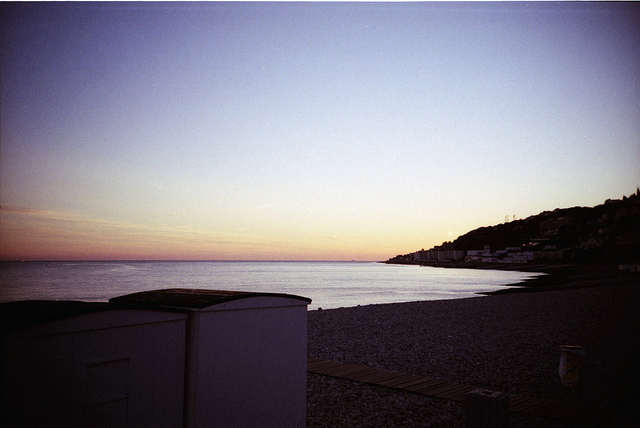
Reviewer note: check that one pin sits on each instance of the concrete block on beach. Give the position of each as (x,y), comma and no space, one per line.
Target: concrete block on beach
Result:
(487,409)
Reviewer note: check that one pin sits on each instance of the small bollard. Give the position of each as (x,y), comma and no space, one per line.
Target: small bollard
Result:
(569,364)
(487,409)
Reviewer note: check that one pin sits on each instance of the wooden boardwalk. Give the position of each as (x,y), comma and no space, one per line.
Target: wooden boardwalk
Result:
(568,411)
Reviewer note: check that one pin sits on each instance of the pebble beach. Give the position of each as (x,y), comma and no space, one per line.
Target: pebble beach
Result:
(505,342)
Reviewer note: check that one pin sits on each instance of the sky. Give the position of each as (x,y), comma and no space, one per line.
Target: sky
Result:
(305,131)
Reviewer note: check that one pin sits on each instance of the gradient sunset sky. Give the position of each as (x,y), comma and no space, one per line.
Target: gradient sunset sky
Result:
(306,131)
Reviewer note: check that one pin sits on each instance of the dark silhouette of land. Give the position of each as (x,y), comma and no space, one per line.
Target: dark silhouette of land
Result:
(607,234)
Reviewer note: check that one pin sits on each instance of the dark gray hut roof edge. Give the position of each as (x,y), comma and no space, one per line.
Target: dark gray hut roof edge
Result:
(18,315)
(193,298)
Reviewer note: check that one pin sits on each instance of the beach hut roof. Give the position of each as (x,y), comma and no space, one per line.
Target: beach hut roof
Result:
(193,298)
(15,316)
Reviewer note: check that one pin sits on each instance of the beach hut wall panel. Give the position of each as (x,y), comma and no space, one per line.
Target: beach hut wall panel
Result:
(246,356)
(251,364)
(107,368)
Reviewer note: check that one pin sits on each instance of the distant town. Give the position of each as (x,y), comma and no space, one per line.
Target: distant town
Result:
(606,233)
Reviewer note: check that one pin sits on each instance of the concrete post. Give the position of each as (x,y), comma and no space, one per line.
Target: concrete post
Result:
(487,409)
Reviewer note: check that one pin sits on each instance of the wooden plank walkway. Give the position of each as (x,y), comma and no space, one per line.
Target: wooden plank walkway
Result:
(568,411)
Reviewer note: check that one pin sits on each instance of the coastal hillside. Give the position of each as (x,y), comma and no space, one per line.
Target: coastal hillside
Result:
(609,232)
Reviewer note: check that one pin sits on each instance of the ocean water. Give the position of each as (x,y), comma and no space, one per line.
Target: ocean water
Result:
(328,284)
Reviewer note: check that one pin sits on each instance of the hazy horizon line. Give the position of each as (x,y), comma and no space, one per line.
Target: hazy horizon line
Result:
(186,260)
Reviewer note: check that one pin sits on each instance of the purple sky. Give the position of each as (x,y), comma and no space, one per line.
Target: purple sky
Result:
(306,130)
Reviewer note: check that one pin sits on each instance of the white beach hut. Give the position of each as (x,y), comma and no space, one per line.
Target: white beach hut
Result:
(246,359)
(178,357)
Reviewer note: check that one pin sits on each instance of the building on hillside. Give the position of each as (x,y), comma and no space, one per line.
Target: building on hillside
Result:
(479,255)
(434,255)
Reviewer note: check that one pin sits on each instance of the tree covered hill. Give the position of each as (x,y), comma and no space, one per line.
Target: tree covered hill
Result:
(609,232)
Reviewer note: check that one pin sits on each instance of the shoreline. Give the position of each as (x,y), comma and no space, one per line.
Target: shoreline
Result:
(506,341)
(569,276)
(554,276)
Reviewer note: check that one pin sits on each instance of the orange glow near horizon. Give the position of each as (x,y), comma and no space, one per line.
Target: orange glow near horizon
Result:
(47,235)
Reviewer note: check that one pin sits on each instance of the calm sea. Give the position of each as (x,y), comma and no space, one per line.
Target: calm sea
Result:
(329,284)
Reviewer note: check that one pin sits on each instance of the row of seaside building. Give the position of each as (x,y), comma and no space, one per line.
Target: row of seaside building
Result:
(507,255)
